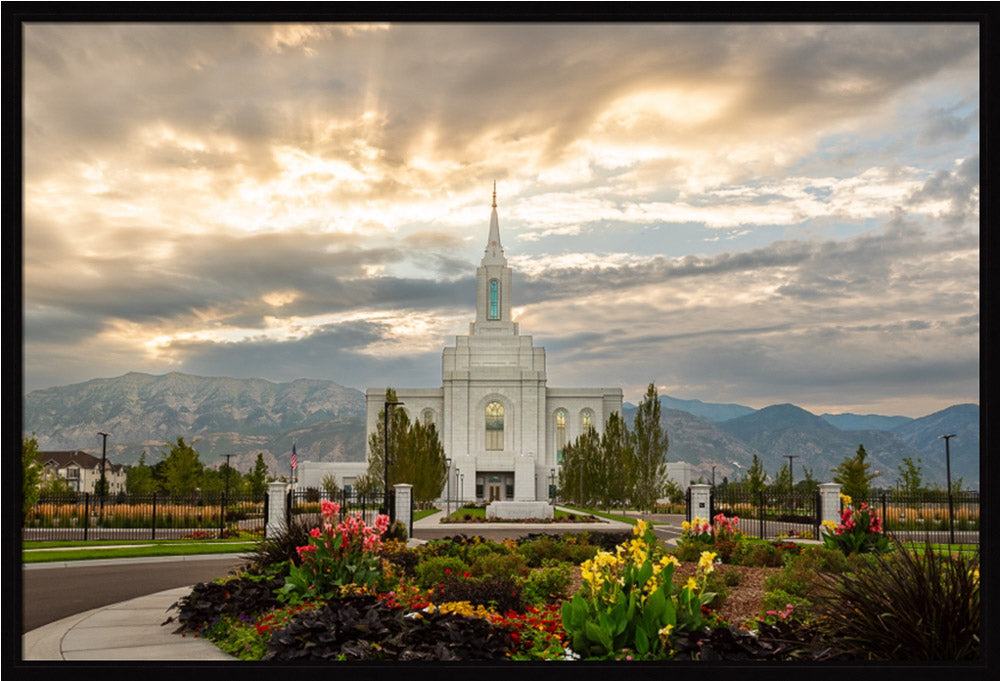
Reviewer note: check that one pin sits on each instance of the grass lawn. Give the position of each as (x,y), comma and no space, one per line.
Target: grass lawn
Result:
(43,552)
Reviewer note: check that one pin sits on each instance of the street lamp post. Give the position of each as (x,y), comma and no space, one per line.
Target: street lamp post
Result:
(947,470)
(461,487)
(552,485)
(447,503)
(385,437)
(713,478)
(104,484)
(791,480)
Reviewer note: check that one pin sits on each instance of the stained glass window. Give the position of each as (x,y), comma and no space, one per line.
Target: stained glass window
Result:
(560,434)
(587,420)
(494,299)
(494,426)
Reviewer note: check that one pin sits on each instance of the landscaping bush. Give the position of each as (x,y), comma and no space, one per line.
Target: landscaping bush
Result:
(501,593)
(782,605)
(905,606)
(279,548)
(547,584)
(404,560)
(568,549)
(859,531)
(433,571)
(500,565)
(362,628)
(800,575)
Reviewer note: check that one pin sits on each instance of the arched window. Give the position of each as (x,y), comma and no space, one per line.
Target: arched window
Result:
(560,434)
(494,426)
(586,421)
(494,299)
(428,416)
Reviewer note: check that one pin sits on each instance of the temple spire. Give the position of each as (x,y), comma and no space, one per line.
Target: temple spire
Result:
(494,250)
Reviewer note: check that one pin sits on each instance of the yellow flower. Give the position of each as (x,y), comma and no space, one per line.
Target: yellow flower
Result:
(640,528)
(685,526)
(829,525)
(691,584)
(670,559)
(664,633)
(707,558)
(846,499)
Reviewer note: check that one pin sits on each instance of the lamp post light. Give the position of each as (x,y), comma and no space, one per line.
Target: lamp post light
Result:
(713,478)
(447,503)
(385,438)
(461,488)
(552,485)
(791,480)
(947,470)
(104,484)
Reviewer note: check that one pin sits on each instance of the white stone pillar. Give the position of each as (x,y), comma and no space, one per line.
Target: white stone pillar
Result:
(524,478)
(404,495)
(829,502)
(701,505)
(276,497)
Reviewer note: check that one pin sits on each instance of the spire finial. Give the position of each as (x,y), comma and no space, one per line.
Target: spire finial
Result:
(494,193)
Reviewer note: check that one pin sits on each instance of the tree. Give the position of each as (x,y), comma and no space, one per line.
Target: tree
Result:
(617,454)
(57,486)
(755,478)
(257,477)
(330,486)
(853,474)
(416,455)
(650,451)
(783,480)
(31,474)
(139,478)
(809,484)
(911,477)
(182,469)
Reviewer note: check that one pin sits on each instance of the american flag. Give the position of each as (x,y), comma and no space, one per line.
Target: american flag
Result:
(295,459)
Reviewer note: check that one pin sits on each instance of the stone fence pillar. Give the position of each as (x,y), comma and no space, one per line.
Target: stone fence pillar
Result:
(404,506)
(276,495)
(701,505)
(829,502)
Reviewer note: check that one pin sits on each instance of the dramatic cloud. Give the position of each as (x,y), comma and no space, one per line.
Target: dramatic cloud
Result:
(746,213)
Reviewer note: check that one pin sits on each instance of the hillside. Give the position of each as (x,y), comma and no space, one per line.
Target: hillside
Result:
(224,415)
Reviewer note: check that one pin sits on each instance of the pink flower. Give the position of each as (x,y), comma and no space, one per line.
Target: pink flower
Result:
(315,533)
(305,549)
(382,523)
(329,508)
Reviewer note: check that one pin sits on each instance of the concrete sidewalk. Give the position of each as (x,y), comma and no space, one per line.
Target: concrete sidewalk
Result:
(126,631)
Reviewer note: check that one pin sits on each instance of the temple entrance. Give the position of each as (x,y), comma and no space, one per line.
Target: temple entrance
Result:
(494,491)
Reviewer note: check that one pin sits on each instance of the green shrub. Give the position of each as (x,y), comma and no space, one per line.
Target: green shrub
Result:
(716,584)
(730,576)
(691,549)
(478,550)
(800,575)
(436,570)
(545,548)
(776,607)
(502,593)
(500,565)
(905,606)
(547,584)
(279,548)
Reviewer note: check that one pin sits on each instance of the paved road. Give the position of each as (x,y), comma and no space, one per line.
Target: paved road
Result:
(52,593)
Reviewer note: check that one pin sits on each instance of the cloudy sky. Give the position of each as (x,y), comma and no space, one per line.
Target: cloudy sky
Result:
(745,213)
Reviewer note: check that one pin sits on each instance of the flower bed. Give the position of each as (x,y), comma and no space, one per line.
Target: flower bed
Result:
(348,594)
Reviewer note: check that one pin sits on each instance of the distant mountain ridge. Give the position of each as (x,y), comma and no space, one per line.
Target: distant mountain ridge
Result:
(232,416)
(241,417)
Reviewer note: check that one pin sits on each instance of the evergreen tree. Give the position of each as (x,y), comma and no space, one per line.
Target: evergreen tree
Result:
(416,455)
(182,469)
(755,478)
(618,454)
(808,484)
(650,451)
(911,477)
(783,481)
(330,486)
(257,477)
(139,478)
(853,474)
(31,474)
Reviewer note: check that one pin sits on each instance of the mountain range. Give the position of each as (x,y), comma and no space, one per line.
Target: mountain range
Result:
(241,417)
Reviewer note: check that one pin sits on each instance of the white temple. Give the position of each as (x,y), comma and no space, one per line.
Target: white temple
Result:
(500,424)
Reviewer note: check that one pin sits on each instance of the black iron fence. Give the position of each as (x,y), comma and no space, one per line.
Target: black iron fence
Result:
(305,505)
(85,516)
(769,514)
(942,517)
